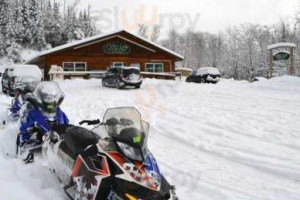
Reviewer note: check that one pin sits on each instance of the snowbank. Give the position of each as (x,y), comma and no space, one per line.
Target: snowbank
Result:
(234,140)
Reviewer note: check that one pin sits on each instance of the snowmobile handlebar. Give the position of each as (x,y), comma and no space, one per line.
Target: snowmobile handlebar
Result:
(90,122)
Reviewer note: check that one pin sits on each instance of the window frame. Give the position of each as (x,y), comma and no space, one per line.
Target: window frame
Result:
(113,64)
(137,65)
(74,66)
(85,66)
(154,67)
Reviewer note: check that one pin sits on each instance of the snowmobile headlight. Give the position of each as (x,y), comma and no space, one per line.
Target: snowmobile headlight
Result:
(131,152)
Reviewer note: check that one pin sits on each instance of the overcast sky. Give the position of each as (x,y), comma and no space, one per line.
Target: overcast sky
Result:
(203,15)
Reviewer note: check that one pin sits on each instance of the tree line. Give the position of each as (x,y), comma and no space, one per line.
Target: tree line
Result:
(40,24)
(239,52)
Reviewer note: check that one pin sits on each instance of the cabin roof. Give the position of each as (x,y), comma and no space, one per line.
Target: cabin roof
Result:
(98,37)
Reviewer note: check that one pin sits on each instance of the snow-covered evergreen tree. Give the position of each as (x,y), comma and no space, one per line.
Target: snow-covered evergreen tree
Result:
(26,33)
(35,23)
(12,48)
(38,35)
(10,35)
(3,24)
(4,9)
(36,20)
(19,29)
(48,20)
(73,27)
(87,26)
(2,46)
(14,52)
(55,32)
(33,12)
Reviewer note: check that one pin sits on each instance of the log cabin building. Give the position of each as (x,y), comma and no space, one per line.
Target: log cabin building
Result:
(98,53)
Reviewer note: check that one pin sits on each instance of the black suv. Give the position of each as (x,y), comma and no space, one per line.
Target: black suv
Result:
(6,82)
(204,75)
(120,77)
(14,73)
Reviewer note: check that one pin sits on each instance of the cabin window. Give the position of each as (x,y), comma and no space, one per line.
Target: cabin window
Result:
(74,66)
(80,67)
(154,67)
(137,65)
(118,64)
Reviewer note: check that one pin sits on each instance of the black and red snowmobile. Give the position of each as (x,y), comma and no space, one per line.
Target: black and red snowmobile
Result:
(110,162)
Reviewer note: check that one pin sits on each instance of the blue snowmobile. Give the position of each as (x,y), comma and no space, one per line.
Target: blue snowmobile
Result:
(36,124)
(20,104)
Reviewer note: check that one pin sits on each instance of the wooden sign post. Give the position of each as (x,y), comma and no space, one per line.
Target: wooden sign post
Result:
(282,55)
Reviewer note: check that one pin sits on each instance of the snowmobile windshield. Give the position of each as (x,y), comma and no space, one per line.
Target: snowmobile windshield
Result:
(27,84)
(48,96)
(128,132)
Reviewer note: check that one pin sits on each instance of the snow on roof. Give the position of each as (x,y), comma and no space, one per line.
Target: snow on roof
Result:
(208,70)
(27,70)
(278,45)
(62,47)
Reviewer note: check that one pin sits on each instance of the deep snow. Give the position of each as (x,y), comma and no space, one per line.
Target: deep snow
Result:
(234,140)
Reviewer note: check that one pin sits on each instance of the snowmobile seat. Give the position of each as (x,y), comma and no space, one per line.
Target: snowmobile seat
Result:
(76,139)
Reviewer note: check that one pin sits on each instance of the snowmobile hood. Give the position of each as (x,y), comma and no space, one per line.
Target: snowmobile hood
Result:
(146,174)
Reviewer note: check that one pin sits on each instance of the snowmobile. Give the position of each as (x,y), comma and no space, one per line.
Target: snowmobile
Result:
(109,162)
(19,104)
(37,123)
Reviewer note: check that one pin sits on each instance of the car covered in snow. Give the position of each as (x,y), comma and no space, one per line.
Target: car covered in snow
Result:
(204,75)
(14,73)
(121,77)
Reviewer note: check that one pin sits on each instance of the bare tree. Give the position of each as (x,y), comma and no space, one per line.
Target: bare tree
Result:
(155,33)
(173,40)
(142,30)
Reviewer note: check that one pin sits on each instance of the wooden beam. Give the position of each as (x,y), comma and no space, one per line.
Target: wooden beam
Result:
(149,49)
(291,70)
(95,42)
(271,64)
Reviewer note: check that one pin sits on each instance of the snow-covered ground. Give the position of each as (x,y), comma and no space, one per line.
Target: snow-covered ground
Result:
(230,141)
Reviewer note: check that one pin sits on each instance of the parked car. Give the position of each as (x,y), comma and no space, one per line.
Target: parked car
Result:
(14,73)
(204,75)
(255,79)
(121,77)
